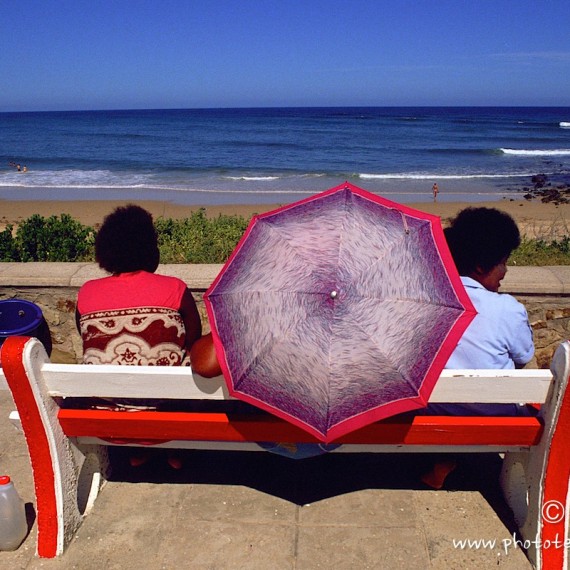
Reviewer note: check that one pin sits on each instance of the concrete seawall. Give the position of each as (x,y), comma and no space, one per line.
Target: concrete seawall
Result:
(545,291)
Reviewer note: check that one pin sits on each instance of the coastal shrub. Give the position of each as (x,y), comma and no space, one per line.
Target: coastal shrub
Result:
(183,241)
(54,239)
(198,239)
(228,231)
(542,252)
(8,249)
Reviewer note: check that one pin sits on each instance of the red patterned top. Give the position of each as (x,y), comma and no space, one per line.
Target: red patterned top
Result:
(133,319)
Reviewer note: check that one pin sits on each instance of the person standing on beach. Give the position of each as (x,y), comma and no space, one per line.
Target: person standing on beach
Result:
(435,191)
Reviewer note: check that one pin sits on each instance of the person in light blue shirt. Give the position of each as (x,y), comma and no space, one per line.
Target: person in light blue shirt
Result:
(481,241)
(499,337)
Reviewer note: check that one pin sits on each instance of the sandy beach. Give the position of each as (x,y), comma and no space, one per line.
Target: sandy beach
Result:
(535,219)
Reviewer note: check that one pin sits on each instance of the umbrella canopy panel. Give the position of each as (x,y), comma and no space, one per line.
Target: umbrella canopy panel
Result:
(337,311)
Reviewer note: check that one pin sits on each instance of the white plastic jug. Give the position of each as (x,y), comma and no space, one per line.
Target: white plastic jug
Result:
(13,524)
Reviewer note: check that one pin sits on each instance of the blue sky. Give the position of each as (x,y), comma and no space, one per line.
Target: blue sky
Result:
(122,54)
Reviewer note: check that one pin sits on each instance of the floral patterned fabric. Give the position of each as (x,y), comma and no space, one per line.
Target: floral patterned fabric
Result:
(151,336)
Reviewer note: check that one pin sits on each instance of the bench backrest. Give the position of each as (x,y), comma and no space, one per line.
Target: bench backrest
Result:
(111,381)
(26,362)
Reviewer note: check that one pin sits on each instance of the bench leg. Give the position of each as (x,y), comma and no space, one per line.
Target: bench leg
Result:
(536,483)
(66,478)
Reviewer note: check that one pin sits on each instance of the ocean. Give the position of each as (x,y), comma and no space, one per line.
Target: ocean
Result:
(279,155)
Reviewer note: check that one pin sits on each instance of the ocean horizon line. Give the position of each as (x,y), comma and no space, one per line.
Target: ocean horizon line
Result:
(270,107)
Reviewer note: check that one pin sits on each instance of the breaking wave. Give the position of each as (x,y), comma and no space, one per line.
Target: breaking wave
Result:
(538,152)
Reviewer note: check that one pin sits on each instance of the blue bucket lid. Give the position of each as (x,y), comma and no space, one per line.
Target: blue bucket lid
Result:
(18,317)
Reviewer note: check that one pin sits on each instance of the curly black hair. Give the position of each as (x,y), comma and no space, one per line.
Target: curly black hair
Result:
(127,241)
(481,238)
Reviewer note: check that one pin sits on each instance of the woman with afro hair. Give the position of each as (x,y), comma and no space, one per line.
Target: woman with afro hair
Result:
(134,316)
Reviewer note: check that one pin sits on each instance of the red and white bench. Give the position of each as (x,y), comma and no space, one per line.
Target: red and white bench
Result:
(68,447)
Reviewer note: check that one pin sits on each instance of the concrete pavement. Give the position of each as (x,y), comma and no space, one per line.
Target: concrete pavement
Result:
(259,511)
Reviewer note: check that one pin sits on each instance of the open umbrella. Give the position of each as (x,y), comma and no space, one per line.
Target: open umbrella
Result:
(337,311)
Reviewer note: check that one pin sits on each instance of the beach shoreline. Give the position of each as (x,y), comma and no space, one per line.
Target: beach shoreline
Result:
(535,218)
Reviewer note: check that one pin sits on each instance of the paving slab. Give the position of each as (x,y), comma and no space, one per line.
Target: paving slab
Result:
(390,508)
(463,531)
(361,547)
(231,545)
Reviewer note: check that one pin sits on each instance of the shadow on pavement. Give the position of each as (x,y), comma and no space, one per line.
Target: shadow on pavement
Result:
(310,480)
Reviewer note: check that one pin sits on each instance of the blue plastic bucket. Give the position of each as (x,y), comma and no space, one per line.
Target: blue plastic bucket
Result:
(23,318)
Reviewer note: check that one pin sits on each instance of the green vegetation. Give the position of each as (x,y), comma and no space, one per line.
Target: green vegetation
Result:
(542,252)
(197,239)
(47,239)
(8,251)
